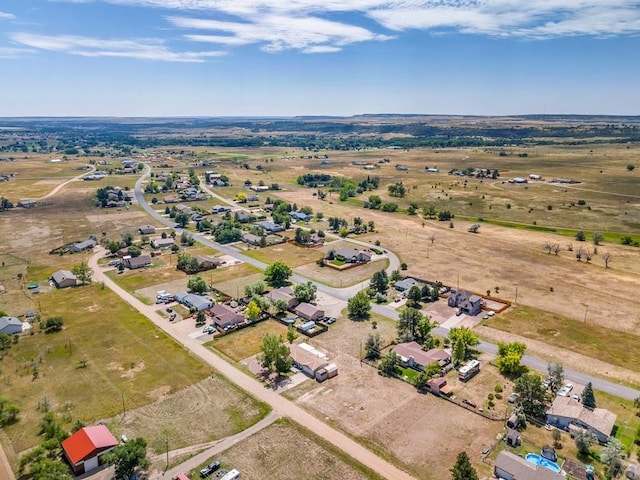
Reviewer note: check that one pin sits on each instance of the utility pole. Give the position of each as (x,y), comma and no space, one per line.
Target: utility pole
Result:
(586,309)
(124,410)
(516,299)
(166,443)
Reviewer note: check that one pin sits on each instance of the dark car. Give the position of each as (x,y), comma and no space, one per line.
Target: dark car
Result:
(169,310)
(209,469)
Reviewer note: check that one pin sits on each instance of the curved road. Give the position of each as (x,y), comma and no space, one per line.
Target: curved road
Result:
(346,293)
(279,404)
(64,184)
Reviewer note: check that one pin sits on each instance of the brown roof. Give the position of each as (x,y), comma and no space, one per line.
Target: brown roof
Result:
(308,309)
(414,350)
(305,358)
(599,419)
(224,315)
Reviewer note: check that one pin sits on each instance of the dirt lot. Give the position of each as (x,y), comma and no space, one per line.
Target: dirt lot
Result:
(285,451)
(187,418)
(247,342)
(342,278)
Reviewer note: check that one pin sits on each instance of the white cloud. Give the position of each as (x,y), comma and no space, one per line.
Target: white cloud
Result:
(12,52)
(275,33)
(7,16)
(144,49)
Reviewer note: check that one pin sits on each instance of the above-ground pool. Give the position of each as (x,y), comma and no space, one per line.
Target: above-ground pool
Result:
(536,459)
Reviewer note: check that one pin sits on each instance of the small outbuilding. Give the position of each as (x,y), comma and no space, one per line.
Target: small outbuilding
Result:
(86,447)
(64,279)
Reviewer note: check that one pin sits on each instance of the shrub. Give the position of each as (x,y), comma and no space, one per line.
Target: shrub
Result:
(498,388)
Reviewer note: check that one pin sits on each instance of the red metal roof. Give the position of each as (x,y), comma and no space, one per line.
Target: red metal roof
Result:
(87,441)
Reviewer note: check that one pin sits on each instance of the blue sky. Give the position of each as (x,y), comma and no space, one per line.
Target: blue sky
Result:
(318,57)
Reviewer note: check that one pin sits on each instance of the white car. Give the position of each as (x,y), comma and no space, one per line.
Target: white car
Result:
(491,313)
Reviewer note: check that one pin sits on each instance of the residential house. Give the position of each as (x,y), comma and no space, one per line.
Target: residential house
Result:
(283,293)
(209,263)
(244,217)
(86,447)
(351,255)
(412,355)
(171,199)
(270,227)
(225,317)
(159,242)
(147,229)
(309,312)
(465,301)
(252,198)
(308,359)
(10,325)
(251,239)
(136,262)
(509,466)
(82,246)
(300,216)
(406,284)
(191,300)
(220,209)
(64,279)
(567,413)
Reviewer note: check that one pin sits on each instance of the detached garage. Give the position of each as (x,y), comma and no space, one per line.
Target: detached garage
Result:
(85,448)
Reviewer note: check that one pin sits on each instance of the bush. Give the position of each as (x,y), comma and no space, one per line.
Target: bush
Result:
(490,396)
(581,202)
(498,388)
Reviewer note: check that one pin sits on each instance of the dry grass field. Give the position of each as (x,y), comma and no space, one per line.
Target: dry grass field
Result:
(186,417)
(288,253)
(126,357)
(284,451)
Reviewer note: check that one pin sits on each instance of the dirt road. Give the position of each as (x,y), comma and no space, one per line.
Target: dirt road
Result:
(64,184)
(5,469)
(280,405)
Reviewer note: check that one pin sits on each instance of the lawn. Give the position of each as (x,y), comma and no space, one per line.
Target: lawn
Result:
(248,341)
(288,253)
(608,345)
(285,451)
(127,358)
(409,373)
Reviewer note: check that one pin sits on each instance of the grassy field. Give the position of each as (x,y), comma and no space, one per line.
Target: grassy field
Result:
(163,270)
(288,253)
(126,358)
(284,451)
(185,418)
(611,346)
(247,342)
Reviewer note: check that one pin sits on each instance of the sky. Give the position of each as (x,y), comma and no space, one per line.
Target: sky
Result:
(318,57)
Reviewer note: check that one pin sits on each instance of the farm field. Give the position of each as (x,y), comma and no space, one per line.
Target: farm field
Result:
(295,453)
(128,355)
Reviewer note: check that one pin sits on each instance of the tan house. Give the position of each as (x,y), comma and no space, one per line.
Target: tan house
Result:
(567,413)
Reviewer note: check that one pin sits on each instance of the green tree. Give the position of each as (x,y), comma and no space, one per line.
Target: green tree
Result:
(389,365)
(182,219)
(53,324)
(463,470)
(134,251)
(113,246)
(8,412)
(201,318)
(533,396)
(305,292)
(277,274)
(414,296)
(407,323)
(584,439)
(372,346)
(252,311)
(291,334)
(509,356)
(580,236)
(588,398)
(82,272)
(275,354)
(128,458)
(358,306)
(197,284)
(380,281)
(127,238)
(611,456)
(631,167)
(423,330)
(556,376)
(429,211)
(279,304)
(462,340)
(430,371)
(597,238)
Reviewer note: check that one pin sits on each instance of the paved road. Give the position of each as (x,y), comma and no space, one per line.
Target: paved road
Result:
(346,293)
(280,405)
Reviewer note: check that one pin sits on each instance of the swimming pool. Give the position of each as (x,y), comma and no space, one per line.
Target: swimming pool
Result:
(536,459)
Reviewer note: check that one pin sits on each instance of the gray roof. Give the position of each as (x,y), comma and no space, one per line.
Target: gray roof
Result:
(85,245)
(520,469)
(406,284)
(599,419)
(308,309)
(347,252)
(62,275)
(9,321)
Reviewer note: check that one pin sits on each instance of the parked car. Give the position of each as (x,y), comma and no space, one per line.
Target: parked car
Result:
(564,391)
(169,310)
(513,397)
(209,469)
(576,397)
(330,320)
(491,313)
(172,317)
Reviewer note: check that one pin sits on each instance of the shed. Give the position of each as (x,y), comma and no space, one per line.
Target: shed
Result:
(327,372)
(85,448)
(513,421)
(512,438)
(64,279)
